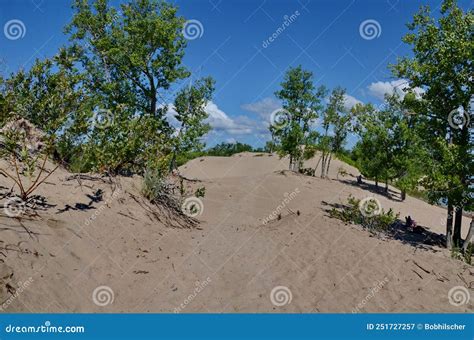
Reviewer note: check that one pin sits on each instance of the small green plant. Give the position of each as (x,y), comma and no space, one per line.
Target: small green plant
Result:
(468,254)
(200,192)
(377,220)
(153,184)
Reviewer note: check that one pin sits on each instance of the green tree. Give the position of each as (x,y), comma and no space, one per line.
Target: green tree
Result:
(130,59)
(335,117)
(301,106)
(50,95)
(190,104)
(442,65)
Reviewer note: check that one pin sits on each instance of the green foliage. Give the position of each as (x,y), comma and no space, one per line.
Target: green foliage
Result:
(190,106)
(153,184)
(101,97)
(27,148)
(390,147)
(351,213)
(442,65)
(301,106)
(335,117)
(228,149)
(200,192)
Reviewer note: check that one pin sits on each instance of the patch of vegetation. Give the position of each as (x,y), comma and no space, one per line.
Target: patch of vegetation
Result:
(371,217)
(465,256)
(200,192)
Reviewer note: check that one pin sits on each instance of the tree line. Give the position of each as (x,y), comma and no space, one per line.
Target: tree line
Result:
(419,139)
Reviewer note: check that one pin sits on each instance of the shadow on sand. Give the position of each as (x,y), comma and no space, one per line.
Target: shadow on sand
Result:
(422,239)
(390,194)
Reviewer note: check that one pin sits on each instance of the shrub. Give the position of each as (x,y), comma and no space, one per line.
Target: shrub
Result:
(24,145)
(375,220)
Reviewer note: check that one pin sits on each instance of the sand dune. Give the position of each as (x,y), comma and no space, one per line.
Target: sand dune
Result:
(234,260)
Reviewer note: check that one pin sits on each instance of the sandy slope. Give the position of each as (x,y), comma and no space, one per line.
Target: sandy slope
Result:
(232,261)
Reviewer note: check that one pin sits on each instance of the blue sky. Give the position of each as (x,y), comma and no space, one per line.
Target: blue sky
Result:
(323,36)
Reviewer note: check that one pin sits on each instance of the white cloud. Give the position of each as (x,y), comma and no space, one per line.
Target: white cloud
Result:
(263,108)
(380,88)
(350,101)
(220,121)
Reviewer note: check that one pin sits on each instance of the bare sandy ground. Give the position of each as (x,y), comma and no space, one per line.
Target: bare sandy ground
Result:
(87,254)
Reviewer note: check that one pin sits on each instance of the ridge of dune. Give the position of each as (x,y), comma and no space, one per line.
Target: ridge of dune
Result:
(237,254)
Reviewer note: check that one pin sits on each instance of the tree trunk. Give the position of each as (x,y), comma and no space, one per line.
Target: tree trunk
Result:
(376,182)
(323,166)
(404,195)
(291,163)
(316,167)
(449,226)
(470,236)
(386,185)
(457,227)
(329,163)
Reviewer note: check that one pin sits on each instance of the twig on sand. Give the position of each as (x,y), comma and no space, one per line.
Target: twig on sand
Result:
(423,269)
(414,271)
(126,215)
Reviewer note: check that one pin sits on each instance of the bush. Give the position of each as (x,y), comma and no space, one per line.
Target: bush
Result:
(371,217)
(27,148)
(153,185)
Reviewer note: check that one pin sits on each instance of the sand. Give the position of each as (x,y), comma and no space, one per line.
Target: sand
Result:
(114,255)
